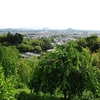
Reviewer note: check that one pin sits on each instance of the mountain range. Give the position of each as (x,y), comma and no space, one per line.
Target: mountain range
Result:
(44,29)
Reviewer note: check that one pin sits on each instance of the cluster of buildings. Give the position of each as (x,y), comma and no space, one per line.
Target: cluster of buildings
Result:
(59,36)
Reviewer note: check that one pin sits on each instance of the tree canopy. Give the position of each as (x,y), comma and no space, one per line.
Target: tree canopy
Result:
(69,70)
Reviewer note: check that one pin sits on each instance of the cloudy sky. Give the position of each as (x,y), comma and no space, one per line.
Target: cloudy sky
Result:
(55,14)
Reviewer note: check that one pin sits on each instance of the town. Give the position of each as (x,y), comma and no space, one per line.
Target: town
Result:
(60,37)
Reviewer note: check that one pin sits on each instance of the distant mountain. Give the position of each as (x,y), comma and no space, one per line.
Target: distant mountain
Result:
(76,30)
(45,28)
(15,30)
(70,29)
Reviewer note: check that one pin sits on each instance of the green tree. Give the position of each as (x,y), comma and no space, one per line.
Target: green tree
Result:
(26,68)
(45,44)
(36,42)
(92,43)
(17,39)
(13,38)
(68,69)
(37,49)
(9,59)
(82,42)
(7,87)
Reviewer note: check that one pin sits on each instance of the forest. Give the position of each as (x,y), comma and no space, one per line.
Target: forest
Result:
(70,72)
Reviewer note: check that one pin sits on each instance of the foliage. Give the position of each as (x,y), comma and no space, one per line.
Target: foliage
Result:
(82,42)
(12,38)
(36,45)
(87,96)
(96,59)
(25,48)
(26,96)
(92,42)
(36,42)
(69,69)
(26,68)
(8,59)
(70,72)
(45,44)
(37,49)
(7,90)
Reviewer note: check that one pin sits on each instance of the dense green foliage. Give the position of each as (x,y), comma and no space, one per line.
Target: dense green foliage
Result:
(26,45)
(11,39)
(36,45)
(71,72)
(92,42)
(68,71)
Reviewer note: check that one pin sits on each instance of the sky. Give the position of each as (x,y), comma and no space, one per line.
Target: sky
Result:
(52,14)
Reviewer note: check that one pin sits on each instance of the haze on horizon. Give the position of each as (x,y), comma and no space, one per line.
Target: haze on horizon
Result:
(53,14)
